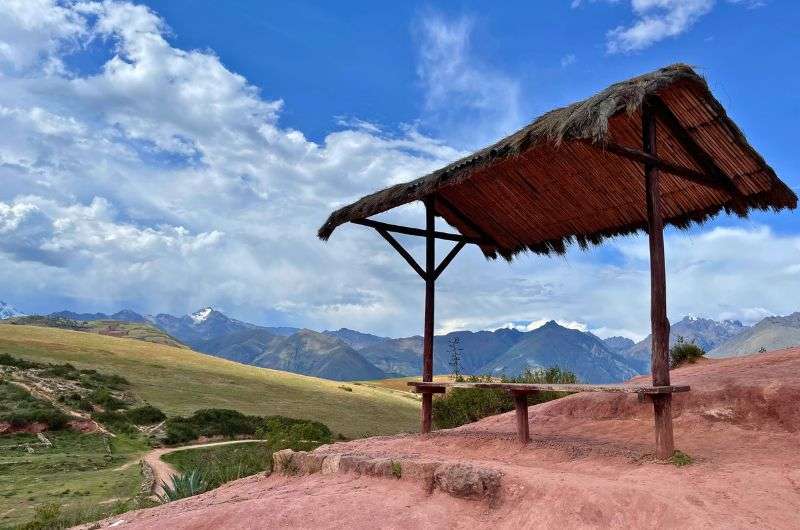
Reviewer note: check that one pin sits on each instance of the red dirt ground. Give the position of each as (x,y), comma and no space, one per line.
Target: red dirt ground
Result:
(589,465)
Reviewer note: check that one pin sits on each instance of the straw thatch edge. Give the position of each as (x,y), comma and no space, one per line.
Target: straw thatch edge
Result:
(585,120)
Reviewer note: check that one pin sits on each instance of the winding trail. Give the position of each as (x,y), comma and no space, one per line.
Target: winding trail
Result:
(162,471)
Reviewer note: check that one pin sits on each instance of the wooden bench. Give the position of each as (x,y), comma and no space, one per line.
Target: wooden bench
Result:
(521,391)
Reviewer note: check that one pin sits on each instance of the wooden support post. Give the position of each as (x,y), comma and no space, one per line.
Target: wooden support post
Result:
(430,280)
(662,404)
(521,405)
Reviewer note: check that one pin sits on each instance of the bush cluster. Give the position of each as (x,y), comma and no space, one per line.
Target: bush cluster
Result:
(466,405)
(210,422)
(145,415)
(289,433)
(683,352)
(19,408)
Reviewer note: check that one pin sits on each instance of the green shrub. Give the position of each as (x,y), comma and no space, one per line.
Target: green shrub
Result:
(93,378)
(145,415)
(64,371)
(684,351)
(116,421)
(103,397)
(397,469)
(179,430)
(45,517)
(220,464)
(20,408)
(210,422)
(7,360)
(182,486)
(289,433)
(680,459)
(466,405)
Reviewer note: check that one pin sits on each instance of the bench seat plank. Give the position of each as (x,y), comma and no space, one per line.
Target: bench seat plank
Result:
(438,387)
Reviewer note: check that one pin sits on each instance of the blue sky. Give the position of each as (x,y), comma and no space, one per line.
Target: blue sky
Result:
(173,154)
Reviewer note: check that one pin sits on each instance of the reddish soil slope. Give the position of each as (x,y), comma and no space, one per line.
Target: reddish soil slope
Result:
(589,465)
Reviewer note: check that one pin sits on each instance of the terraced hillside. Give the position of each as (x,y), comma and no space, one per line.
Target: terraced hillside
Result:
(180,381)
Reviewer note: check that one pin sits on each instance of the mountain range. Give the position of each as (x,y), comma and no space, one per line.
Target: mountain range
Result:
(346,354)
(8,311)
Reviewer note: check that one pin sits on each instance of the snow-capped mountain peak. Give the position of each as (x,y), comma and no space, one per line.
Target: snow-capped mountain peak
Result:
(202,315)
(8,311)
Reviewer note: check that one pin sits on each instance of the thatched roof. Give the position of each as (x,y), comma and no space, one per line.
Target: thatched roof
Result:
(557,181)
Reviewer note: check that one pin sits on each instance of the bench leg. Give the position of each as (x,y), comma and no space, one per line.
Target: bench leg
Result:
(427,409)
(662,412)
(521,404)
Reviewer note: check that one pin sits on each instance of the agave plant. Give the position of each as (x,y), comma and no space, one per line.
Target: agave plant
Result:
(182,486)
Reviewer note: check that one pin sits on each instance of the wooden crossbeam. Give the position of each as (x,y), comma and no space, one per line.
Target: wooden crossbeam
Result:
(447,259)
(403,252)
(638,155)
(703,159)
(407,230)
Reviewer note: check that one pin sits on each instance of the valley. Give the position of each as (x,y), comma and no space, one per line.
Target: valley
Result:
(350,355)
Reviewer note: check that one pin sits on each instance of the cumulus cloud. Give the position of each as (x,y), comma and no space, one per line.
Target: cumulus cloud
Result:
(165,182)
(461,90)
(657,20)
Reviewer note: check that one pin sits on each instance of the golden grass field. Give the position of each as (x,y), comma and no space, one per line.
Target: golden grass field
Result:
(179,381)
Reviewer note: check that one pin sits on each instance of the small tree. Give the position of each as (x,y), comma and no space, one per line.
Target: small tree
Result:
(684,351)
(455,349)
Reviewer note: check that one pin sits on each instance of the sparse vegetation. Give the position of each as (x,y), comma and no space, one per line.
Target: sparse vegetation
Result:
(346,388)
(684,352)
(680,459)
(179,381)
(20,409)
(455,350)
(466,405)
(183,485)
(224,463)
(397,469)
(75,471)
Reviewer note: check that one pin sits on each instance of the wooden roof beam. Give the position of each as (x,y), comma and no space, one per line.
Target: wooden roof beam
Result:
(409,231)
(640,156)
(700,156)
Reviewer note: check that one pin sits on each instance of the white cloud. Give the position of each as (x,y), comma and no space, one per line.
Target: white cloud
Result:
(34,31)
(462,91)
(656,20)
(568,60)
(164,181)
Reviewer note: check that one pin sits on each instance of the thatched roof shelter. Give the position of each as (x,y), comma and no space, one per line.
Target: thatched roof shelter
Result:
(568,176)
(653,150)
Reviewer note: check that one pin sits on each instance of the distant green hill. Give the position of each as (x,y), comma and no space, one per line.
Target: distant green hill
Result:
(180,381)
(114,328)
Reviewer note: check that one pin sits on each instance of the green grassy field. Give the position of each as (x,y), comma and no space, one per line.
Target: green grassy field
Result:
(78,472)
(180,381)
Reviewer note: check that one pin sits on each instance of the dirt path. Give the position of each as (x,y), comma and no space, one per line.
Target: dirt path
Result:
(162,471)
